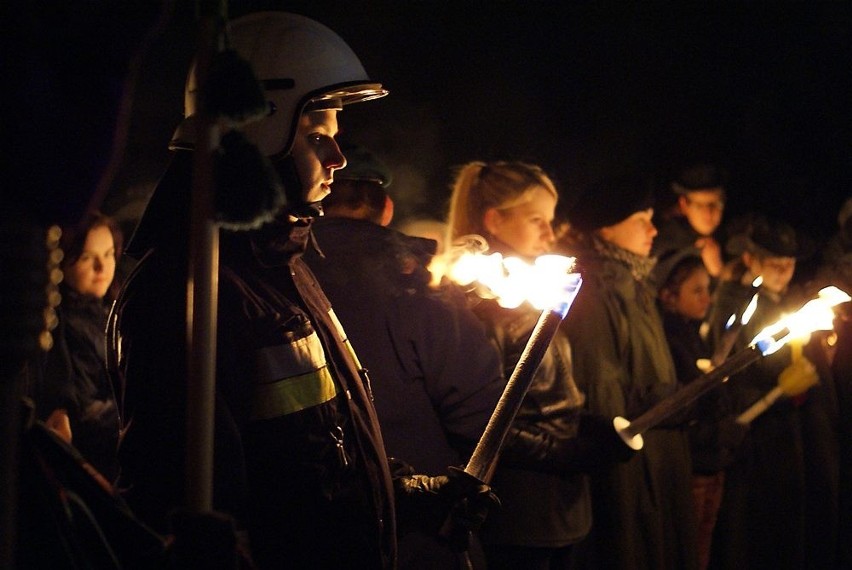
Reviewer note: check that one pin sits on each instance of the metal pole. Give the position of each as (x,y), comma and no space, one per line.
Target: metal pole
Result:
(202,295)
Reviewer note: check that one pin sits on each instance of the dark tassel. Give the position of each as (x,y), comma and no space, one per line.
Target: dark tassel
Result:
(248,190)
(232,91)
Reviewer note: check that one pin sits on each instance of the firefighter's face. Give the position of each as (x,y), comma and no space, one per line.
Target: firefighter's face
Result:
(316,154)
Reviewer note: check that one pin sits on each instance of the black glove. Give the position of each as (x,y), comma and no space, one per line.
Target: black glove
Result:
(449,507)
(730,435)
(595,445)
(600,433)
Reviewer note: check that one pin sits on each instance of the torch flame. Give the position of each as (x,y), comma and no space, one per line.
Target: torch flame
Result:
(816,314)
(547,283)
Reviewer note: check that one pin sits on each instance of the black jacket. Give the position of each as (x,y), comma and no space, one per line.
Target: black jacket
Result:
(540,477)
(73,376)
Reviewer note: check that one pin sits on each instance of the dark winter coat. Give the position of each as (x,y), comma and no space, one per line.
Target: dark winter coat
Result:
(299,459)
(643,512)
(435,377)
(785,481)
(714,436)
(73,376)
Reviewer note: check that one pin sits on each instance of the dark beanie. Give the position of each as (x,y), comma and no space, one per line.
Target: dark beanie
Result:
(699,177)
(610,201)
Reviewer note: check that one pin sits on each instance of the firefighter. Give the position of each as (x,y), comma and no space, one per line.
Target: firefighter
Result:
(299,459)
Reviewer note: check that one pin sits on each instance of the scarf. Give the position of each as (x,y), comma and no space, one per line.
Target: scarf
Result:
(640,266)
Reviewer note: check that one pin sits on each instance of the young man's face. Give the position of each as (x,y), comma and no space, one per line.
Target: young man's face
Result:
(634,233)
(703,209)
(316,154)
(776,271)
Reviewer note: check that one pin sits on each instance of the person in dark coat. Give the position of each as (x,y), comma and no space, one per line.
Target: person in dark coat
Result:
(780,507)
(693,226)
(643,510)
(435,377)
(73,392)
(684,300)
(299,460)
(552,443)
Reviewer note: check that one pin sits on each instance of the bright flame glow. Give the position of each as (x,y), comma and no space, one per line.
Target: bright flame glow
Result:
(547,283)
(815,315)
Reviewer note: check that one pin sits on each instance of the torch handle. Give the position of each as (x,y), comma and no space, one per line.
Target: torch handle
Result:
(726,344)
(691,392)
(760,406)
(484,458)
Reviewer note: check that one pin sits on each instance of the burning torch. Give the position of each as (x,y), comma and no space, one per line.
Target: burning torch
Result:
(735,325)
(548,285)
(816,314)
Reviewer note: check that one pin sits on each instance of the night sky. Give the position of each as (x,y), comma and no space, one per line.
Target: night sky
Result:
(583,90)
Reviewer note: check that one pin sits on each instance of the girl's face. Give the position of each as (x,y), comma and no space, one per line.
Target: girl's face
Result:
(634,233)
(692,299)
(93,272)
(526,228)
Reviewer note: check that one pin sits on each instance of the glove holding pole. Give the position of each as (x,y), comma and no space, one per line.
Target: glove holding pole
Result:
(793,381)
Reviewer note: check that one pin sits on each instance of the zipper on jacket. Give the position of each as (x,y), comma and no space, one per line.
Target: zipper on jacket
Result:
(337,436)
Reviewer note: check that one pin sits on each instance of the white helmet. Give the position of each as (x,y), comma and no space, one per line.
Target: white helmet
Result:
(299,62)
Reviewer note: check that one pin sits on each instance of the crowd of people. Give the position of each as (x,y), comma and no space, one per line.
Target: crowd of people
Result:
(351,388)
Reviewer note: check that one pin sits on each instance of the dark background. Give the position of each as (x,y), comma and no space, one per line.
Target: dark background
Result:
(581,89)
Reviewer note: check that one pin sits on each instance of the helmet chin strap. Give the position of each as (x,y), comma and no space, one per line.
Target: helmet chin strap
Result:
(296,205)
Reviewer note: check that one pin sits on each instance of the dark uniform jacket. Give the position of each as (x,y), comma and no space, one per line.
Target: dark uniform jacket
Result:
(299,459)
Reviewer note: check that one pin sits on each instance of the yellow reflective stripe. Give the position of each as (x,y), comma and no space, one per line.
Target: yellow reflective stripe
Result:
(339,326)
(292,394)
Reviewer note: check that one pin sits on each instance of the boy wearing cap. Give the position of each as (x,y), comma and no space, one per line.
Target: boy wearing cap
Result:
(700,191)
(779,508)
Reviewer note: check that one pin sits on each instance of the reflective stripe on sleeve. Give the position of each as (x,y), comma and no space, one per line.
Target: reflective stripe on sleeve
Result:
(293,394)
(290,377)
